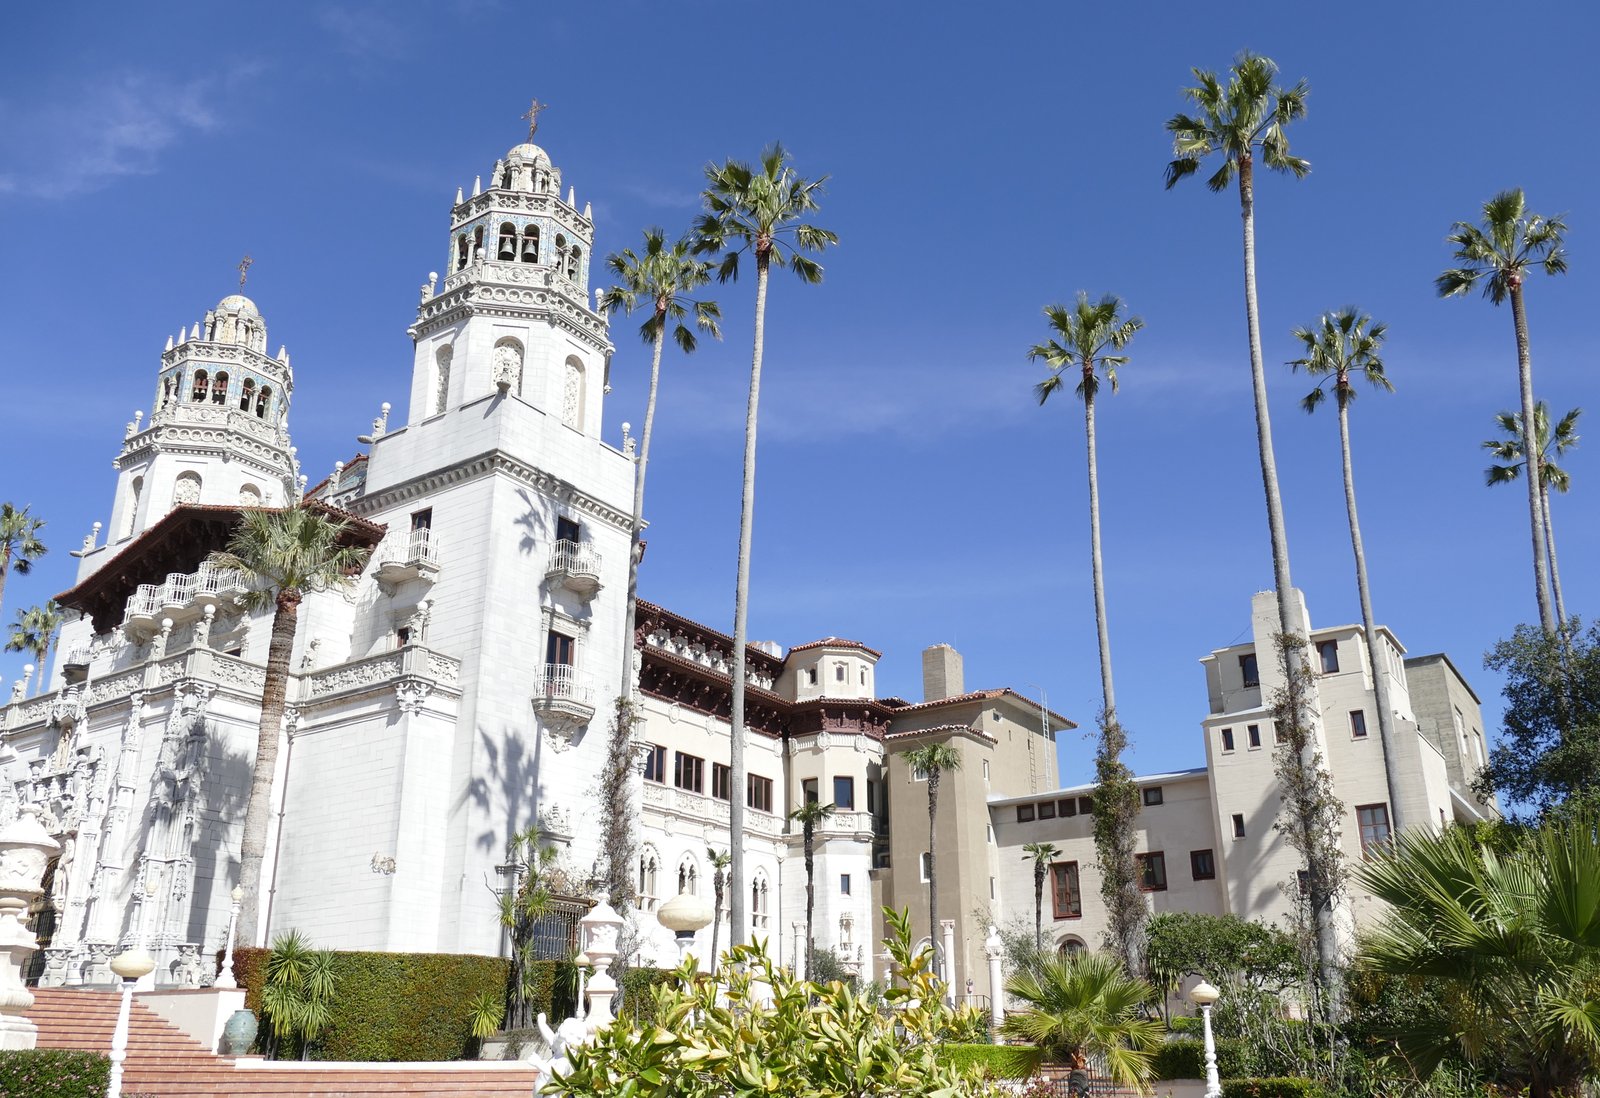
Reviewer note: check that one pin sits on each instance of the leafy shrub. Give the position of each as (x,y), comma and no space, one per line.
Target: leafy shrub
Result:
(997,1061)
(638,1002)
(969,1025)
(396,1006)
(1185,1058)
(54,1073)
(1186,1025)
(1279,1087)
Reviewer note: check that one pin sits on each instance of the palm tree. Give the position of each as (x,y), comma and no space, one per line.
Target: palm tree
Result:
(1507,940)
(1042,854)
(1086,1007)
(19,543)
(279,555)
(808,816)
(759,210)
(1512,242)
(1084,336)
(659,277)
(931,761)
(34,632)
(1342,346)
(1249,113)
(1551,445)
(719,888)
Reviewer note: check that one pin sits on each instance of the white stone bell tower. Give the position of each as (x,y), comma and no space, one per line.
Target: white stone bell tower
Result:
(218,431)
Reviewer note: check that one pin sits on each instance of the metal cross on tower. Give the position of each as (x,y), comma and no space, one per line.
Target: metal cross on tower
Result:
(244,270)
(533,116)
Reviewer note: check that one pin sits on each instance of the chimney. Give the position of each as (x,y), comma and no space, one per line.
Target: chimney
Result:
(941,673)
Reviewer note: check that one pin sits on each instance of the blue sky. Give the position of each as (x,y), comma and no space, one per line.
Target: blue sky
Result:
(985,161)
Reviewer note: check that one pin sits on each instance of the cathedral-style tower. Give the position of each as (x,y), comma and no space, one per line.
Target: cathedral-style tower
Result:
(219,429)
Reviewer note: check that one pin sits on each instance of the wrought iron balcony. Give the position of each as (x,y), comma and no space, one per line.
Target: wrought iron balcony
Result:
(407,555)
(575,567)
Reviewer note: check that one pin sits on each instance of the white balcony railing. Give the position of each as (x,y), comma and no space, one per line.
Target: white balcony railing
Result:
(563,682)
(177,591)
(576,567)
(181,598)
(145,602)
(216,583)
(407,554)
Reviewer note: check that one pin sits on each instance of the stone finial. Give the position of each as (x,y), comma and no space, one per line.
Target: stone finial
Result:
(196,333)
(460,198)
(477,185)
(588,214)
(169,343)
(572,196)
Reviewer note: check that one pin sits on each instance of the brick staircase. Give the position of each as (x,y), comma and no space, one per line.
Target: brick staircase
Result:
(165,1062)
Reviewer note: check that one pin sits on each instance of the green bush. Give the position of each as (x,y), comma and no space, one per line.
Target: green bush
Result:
(1188,1026)
(997,1061)
(54,1073)
(1185,1058)
(395,1006)
(554,990)
(638,1004)
(1283,1087)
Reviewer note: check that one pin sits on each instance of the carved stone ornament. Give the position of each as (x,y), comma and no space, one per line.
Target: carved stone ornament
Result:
(411,692)
(824,741)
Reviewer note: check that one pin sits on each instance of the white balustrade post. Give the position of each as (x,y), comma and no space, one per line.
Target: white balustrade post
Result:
(226,978)
(131,966)
(994,949)
(947,934)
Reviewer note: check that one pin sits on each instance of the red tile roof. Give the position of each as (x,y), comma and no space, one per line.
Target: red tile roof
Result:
(902,706)
(835,642)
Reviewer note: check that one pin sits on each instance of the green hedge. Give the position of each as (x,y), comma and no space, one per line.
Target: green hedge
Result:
(54,1073)
(638,1004)
(1284,1087)
(1188,1026)
(1185,1058)
(997,1061)
(554,992)
(393,1006)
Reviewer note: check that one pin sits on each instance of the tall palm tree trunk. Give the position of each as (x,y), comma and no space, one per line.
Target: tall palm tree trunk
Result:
(933,877)
(1380,678)
(719,884)
(1095,560)
(1550,548)
(1534,458)
(5,571)
(44,666)
(811,898)
(741,615)
(636,538)
(258,810)
(1038,907)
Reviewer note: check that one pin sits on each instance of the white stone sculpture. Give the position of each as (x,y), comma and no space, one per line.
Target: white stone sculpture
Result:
(25,851)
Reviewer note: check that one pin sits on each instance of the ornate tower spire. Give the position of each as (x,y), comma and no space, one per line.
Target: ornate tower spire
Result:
(532,116)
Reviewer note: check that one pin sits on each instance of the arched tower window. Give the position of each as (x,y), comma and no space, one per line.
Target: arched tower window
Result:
(507,248)
(219,389)
(133,507)
(530,244)
(461,251)
(572,395)
(477,243)
(649,872)
(202,385)
(688,875)
(760,912)
(505,179)
(249,495)
(572,262)
(441,379)
(247,396)
(508,365)
(263,400)
(187,488)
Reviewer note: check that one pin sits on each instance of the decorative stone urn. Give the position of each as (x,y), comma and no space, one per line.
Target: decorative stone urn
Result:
(601,927)
(25,850)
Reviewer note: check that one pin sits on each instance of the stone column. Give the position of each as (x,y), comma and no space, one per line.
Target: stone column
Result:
(994,949)
(25,850)
(947,932)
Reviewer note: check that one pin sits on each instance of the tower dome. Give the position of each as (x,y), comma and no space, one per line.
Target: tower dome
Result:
(238,303)
(236,320)
(528,151)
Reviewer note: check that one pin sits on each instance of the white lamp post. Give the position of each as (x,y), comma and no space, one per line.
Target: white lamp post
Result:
(1203,995)
(226,978)
(582,962)
(684,915)
(131,965)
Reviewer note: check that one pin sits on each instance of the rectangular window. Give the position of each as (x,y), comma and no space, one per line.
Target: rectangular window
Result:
(918,774)
(838,672)
(1328,653)
(559,649)
(1248,671)
(808,791)
(423,519)
(1152,795)
(872,796)
(689,772)
(1203,865)
(844,792)
(988,832)
(758,792)
(1024,813)
(721,782)
(844,884)
(1068,806)
(1085,806)
(1227,739)
(927,866)
(567,530)
(1152,871)
(655,763)
(1373,819)
(1047,810)
(811,676)
(991,888)
(1358,724)
(1253,735)
(985,769)
(1066,899)
(1238,825)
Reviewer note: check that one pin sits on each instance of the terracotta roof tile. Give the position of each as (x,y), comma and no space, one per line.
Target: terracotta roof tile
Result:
(835,642)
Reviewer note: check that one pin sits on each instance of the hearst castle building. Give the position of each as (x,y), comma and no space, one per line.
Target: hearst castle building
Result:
(461,688)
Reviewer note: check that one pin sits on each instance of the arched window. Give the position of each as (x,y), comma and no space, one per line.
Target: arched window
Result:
(760,912)
(572,262)
(202,386)
(477,243)
(247,394)
(133,508)
(461,251)
(441,379)
(263,400)
(505,179)
(530,244)
(508,365)
(219,389)
(187,488)
(572,395)
(688,875)
(1071,946)
(649,869)
(249,495)
(507,248)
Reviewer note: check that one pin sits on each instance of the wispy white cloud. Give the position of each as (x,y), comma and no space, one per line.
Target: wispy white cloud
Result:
(120,125)
(662,198)
(369,32)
